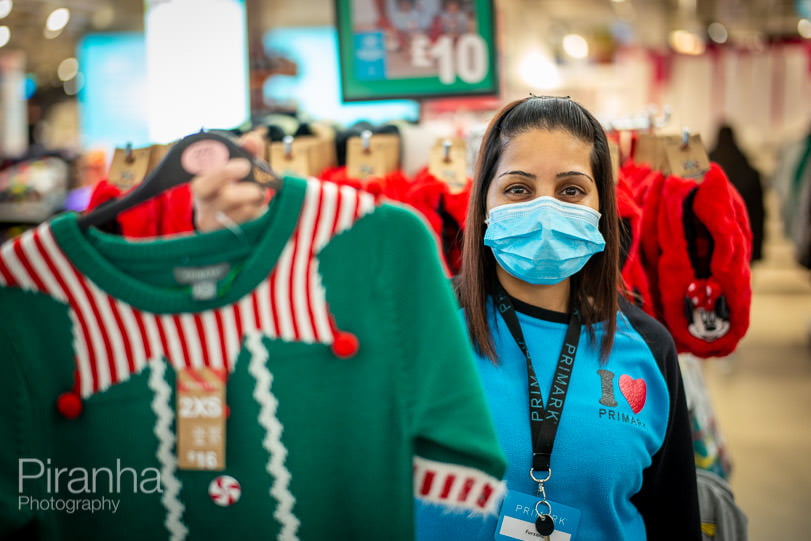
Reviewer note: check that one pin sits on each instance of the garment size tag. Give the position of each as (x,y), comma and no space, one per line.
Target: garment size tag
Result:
(201,419)
(517,520)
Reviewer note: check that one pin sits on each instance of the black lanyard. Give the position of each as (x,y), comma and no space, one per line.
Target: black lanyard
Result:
(543,422)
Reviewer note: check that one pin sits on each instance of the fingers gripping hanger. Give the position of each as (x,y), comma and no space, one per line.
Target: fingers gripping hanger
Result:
(193,155)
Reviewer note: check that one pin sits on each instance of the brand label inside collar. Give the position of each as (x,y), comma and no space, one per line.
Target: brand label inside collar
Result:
(191,275)
(202,279)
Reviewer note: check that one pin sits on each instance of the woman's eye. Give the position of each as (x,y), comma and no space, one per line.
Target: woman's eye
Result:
(516,189)
(572,191)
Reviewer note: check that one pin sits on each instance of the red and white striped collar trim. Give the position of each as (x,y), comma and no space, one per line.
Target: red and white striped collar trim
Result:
(113,340)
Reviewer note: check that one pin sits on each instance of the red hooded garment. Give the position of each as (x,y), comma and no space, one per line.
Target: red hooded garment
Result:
(633,272)
(445,211)
(704,277)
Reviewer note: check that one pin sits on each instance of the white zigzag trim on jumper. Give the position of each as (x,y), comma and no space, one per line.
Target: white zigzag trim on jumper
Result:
(457,487)
(273,438)
(166,456)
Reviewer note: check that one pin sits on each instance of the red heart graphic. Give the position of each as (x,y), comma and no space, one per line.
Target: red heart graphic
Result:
(634,391)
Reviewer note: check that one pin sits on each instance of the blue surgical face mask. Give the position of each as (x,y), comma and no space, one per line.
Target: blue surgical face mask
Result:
(543,241)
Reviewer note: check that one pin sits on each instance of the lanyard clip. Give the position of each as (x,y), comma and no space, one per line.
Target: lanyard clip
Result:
(541,481)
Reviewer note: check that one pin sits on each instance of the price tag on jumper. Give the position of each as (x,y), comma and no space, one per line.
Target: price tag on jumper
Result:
(201,419)
(517,520)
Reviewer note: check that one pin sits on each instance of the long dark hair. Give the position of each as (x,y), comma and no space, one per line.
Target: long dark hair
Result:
(594,290)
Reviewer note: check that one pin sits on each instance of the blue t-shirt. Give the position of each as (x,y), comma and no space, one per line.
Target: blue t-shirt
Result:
(623,453)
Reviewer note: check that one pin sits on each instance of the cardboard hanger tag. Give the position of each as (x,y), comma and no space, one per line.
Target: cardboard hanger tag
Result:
(156,154)
(201,410)
(650,151)
(382,156)
(129,166)
(449,164)
(300,160)
(321,152)
(614,151)
(688,160)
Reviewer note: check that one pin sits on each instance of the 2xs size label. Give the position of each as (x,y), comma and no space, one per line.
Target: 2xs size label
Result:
(201,413)
(200,407)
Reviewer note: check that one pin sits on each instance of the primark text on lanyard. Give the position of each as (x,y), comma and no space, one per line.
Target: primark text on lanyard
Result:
(543,422)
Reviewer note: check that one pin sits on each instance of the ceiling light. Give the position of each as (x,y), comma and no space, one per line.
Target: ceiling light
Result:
(5,7)
(718,32)
(73,86)
(51,34)
(539,71)
(103,17)
(67,69)
(576,46)
(804,28)
(685,42)
(58,19)
(5,35)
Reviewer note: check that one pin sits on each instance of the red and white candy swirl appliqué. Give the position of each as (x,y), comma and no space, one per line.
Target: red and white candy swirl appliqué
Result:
(224,490)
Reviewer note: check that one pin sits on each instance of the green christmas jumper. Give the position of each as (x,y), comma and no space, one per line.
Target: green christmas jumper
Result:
(323,441)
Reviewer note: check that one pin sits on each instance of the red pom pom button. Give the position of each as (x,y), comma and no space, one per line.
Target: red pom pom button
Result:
(69,405)
(345,345)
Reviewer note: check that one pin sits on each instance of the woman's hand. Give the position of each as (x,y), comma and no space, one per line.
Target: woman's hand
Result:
(219,197)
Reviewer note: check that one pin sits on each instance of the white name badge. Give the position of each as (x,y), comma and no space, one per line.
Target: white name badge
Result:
(517,520)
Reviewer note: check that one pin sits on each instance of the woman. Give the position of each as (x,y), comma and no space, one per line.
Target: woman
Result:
(595,429)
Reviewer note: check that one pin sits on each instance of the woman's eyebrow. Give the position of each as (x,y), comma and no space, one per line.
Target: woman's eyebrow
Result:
(573,173)
(518,173)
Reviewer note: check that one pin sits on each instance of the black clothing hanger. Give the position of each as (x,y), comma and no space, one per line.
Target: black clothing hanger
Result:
(187,158)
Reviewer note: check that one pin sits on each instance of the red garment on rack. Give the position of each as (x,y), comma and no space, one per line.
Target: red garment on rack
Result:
(646,186)
(633,272)
(704,273)
(168,213)
(445,211)
(394,186)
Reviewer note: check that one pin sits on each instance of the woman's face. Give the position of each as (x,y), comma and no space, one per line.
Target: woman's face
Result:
(544,162)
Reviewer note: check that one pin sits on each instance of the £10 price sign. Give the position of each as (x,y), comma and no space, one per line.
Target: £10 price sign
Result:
(416,49)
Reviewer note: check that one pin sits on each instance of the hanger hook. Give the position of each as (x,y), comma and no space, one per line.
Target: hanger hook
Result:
(128,157)
(666,112)
(651,118)
(365,139)
(287,141)
(446,150)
